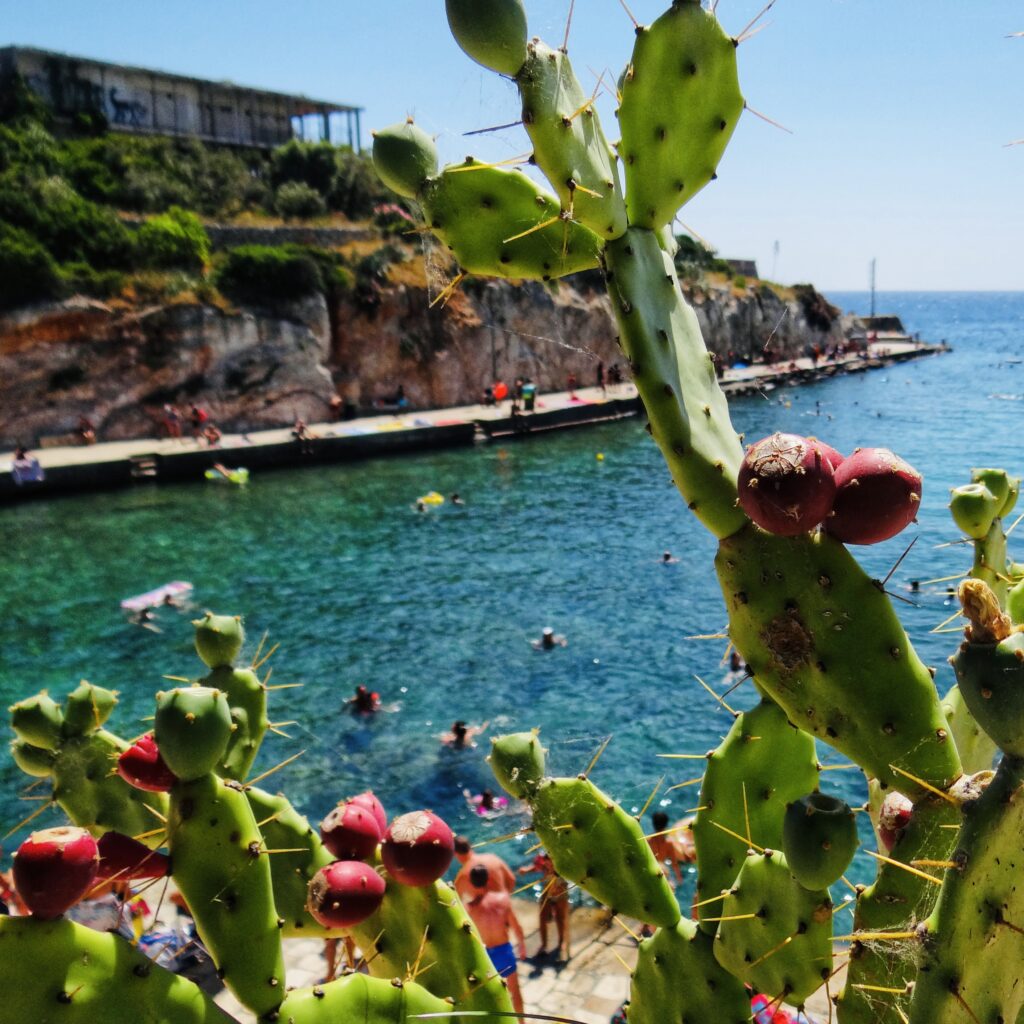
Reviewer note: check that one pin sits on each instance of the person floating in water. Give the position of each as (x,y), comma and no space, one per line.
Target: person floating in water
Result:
(549,640)
(461,735)
(456,499)
(486,804)
(668,559)
(364,702)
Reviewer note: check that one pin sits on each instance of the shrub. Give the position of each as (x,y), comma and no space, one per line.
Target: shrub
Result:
(176,239)
(28,272)
(739,281)
(312,163)
(356,189)
(81,279)
(296,199)
(268,275)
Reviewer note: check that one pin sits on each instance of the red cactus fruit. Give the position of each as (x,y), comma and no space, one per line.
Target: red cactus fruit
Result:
(786,484)
(835,459)
(877,495)
(351,831)
(142,766)
(371,802)
(344,893)
(124,859)
(417,848)
(893,818)
(54,868)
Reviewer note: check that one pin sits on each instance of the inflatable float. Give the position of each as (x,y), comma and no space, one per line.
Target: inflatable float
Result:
(433,498)
(154,598)
(232,476)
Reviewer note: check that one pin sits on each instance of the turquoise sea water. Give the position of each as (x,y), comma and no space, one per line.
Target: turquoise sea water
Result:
(436,611)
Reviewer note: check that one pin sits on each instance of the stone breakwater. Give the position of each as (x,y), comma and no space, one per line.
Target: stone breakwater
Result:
(253,369)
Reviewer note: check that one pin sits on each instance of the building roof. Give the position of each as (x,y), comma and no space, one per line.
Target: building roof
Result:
(298,100)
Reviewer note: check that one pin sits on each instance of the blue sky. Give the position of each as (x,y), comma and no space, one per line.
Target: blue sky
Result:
(900,110)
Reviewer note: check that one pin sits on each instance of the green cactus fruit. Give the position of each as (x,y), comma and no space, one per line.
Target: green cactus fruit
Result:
(675,376)
(499,223)
(404,157)
(678,979)
(878,983)
(517,760)
(247,699)
(974,508)
(222,868)
(974,940)
(428,925)
(991,680)
(760,766)
(219,638)
(819,839)
(681,101)
(59,971)
(568,143)
(86,709)
(823,640)
(192,728)
(35,761)
(359,998)
(300,855)
(492,32)
(976,748)
(1015,604)
(38,720)
(592,841)
(775,935)
(1002,485)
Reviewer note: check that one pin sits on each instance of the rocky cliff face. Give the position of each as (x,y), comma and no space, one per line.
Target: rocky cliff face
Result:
(118,366)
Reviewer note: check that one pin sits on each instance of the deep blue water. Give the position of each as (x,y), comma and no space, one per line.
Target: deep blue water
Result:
(435,611)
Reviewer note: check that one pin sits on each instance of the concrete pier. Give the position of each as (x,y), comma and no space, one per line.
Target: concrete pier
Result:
(115,464)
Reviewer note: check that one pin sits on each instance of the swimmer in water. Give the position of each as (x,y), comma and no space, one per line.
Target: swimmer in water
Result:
(667,559)
(549,640)
(456,500)
(486,804)
(364,702)
(461,735)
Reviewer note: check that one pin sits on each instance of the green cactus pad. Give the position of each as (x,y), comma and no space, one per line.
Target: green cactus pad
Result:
(991,680)
(675,376)
(38,720)
(974,508)
(489,218)
(359,998)
(761,765)
(392,939)
(192,727)
(59,972)
(219,638)
(568,143)
(1005,488)
(592,841)
(404,157)
(284,829)
(990,561)
(896,901)
(823,640)
(974,942)
(1015,604)
(678,979)
(492,32)
(86,709)
(680,103)
(819,839)
(247,700)
(94,796)
(785,948)
(517,760)
(223,871)
(35,761)
(976,748)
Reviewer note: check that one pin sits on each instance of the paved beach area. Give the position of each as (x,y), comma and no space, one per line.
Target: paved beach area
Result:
(81,468)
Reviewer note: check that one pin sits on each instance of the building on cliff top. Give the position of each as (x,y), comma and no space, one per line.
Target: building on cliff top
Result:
(143,101)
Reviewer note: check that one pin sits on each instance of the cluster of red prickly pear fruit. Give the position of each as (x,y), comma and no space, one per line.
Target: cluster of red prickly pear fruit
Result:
(416,850)
(53,869)
(790,484)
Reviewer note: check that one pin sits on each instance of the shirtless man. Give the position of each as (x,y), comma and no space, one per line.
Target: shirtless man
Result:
(671,847)
(554,904)
(493,916)
(499,874)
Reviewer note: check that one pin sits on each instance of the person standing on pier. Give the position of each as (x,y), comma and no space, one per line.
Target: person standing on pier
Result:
(494,918)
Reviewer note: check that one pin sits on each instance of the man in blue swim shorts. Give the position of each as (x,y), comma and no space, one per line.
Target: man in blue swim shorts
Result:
(493,916)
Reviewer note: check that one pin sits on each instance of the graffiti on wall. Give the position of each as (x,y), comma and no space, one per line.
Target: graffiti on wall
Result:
(127,112)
